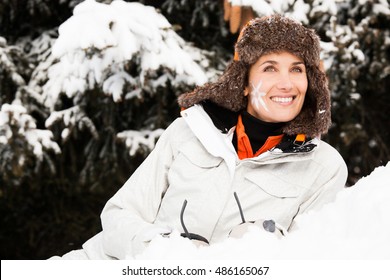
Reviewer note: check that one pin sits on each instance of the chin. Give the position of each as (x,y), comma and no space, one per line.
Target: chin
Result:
(284,119)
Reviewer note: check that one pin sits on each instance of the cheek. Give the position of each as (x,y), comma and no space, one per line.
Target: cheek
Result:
(260,85)
(302,85)
(303,88)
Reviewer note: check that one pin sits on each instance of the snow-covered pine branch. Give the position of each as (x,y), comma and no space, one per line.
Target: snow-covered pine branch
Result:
(39,52)
(136,140)
(73,117)
(15,122)
(126,51)
(6,62)
(116,47)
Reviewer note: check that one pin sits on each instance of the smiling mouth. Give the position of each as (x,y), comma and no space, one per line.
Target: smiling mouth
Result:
(283,100)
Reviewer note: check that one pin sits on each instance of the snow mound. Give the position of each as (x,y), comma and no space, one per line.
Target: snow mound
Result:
(355,226)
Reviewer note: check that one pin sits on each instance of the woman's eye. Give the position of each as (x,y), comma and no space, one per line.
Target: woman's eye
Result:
(269,69)
(297,69)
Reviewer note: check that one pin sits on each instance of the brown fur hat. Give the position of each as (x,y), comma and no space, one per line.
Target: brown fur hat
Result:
(264,36)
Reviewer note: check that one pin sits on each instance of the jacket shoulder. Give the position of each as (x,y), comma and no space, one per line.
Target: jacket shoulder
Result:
(327,156)
(179,131)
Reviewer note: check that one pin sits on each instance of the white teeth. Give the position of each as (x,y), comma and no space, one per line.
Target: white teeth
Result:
(282,99)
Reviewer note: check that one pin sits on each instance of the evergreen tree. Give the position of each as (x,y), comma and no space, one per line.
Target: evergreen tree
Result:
(359,77)
(98,94)
(31,17)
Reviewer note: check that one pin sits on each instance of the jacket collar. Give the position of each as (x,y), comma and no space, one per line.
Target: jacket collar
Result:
(219,144)
(215,142)
(291,145)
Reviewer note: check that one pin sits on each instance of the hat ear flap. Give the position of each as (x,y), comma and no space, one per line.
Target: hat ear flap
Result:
(227,91)
(320,89)
(315,116)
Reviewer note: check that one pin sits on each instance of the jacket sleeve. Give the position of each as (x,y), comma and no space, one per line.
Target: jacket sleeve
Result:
(127,218)
(332,179)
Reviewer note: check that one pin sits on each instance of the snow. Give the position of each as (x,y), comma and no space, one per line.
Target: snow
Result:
(94,50)
(15,122)
(381,8)
(344,42)
(99,41)
(3,42)
(324,6)
(296,9)
(7,63)
(328,50)
(134,139)
(71,117)
(40,139)
(115,83)
(355,226)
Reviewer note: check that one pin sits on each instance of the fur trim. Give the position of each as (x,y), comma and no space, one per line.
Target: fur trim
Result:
(226,92)
(263,36)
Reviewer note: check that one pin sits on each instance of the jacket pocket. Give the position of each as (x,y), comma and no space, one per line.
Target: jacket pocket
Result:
(197,155)
(273,185)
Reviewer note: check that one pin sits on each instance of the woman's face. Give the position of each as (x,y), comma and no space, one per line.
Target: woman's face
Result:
(277,87)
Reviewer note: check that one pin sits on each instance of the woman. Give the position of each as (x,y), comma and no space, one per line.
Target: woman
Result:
(247,148)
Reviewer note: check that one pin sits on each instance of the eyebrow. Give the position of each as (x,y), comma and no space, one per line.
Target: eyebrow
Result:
(275,62)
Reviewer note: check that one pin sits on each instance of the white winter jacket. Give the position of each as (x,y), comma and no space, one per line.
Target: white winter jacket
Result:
(194,161)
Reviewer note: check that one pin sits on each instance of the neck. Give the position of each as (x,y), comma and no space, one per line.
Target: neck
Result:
(258,131)
(253,124)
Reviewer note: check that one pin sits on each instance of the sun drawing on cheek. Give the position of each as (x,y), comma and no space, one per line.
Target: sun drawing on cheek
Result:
(257,96)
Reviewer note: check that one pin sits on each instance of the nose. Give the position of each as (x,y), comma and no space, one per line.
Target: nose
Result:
(284,82)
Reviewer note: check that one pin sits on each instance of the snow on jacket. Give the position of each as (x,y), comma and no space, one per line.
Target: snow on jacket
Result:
(194,161)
